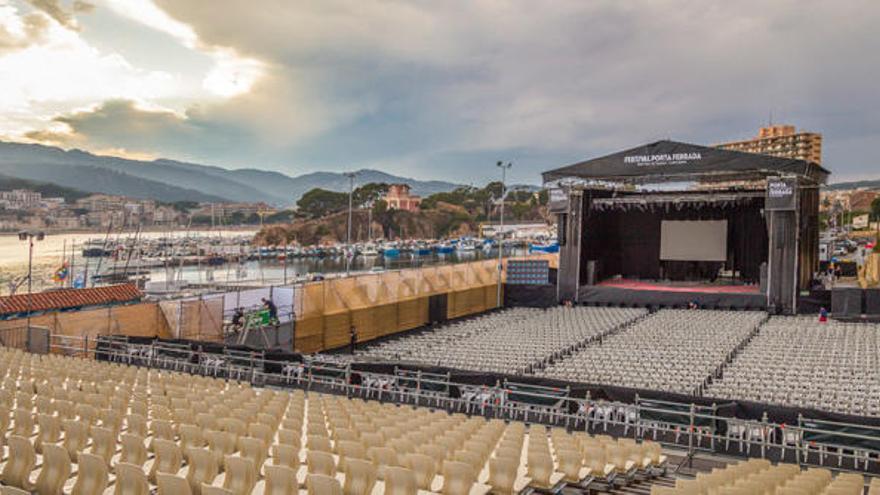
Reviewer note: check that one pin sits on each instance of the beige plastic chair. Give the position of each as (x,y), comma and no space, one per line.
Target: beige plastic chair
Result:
(318,443)
(424,468)
(400,481)
(134,450)
(86,413)
(289,437)
(382,457)
(136,424)
(111,420)
(280,480)
(349,450)
(169,484)
(202,468)
(241,477)
(16,472)
(11,490)
(23,422)
(130,480)
(261,431)
(103,443)
(221,444)
(92,477)
(169,458)
(255,450)
(571,465)
(49,431)
(540,470)
(190,436)
(320,463)
(55,471)
(215,490)
(75,437)
(503,475)
(285,455)
(360,477)
(318,484)
(458,478)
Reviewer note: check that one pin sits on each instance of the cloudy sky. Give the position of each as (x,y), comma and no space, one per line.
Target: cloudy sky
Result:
(435,89)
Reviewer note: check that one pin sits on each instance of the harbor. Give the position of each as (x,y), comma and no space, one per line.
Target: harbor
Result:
(170,264)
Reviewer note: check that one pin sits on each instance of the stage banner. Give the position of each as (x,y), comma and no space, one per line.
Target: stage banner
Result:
(781,195)
(558,200)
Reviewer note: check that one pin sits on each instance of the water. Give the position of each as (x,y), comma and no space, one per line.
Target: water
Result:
(275,272)
(50,252)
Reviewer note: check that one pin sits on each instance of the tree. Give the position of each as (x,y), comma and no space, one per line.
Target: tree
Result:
(321,202)
(283,216)
(369,193)
(875,209)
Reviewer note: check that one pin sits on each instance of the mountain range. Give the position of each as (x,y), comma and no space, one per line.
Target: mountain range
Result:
(171,180)
(858,184)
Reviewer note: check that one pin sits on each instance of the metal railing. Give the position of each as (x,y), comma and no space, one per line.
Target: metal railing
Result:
(690,428)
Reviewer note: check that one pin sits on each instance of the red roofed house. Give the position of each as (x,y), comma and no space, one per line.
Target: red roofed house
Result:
(399,198)
(67,299)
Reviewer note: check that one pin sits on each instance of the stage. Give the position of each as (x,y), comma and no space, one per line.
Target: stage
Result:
(701,288)
(629,292)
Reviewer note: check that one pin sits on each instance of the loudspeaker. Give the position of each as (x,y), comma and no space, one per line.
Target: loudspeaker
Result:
(591,272)
(872,302)
(846,302)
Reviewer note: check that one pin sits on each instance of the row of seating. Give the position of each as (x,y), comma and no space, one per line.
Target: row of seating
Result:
(758,476)
(831,366)
(84,427)
(671,350)
(514,341)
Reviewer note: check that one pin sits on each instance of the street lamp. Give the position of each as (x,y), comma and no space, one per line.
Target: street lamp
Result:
(504,169)
(351,176)
(30,236)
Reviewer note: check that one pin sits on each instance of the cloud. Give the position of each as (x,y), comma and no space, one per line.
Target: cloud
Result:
(566,78)
(54,9)
(18,32)
(444,89)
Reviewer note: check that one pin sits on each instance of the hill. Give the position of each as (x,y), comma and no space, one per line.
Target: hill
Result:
(48,190)
(90,173)
(859,184)
(172,180)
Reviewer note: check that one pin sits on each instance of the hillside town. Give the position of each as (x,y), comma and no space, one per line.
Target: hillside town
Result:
(28,209)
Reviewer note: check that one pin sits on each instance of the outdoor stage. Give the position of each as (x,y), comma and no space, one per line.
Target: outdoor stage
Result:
(628,292)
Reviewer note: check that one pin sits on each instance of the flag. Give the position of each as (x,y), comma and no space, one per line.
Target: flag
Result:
(61,273)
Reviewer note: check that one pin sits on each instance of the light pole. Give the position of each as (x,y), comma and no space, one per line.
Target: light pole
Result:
(351,176)
(370,221)
(30,236)
(503,168)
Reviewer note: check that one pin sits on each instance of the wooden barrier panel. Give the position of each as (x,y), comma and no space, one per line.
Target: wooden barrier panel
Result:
(309,335)
(138,320)
(412,314)
(336,329)
(385,318)
(364,320)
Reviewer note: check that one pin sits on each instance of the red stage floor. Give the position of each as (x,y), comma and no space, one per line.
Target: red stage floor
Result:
(681,287)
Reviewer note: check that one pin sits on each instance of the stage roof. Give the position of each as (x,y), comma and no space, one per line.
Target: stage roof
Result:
(672,161)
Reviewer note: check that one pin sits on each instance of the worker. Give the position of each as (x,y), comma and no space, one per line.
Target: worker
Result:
(271,308)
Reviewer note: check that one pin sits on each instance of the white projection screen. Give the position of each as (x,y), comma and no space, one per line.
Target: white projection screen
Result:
(702,240)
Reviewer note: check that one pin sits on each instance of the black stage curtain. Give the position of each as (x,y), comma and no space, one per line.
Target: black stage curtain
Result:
(627,243)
